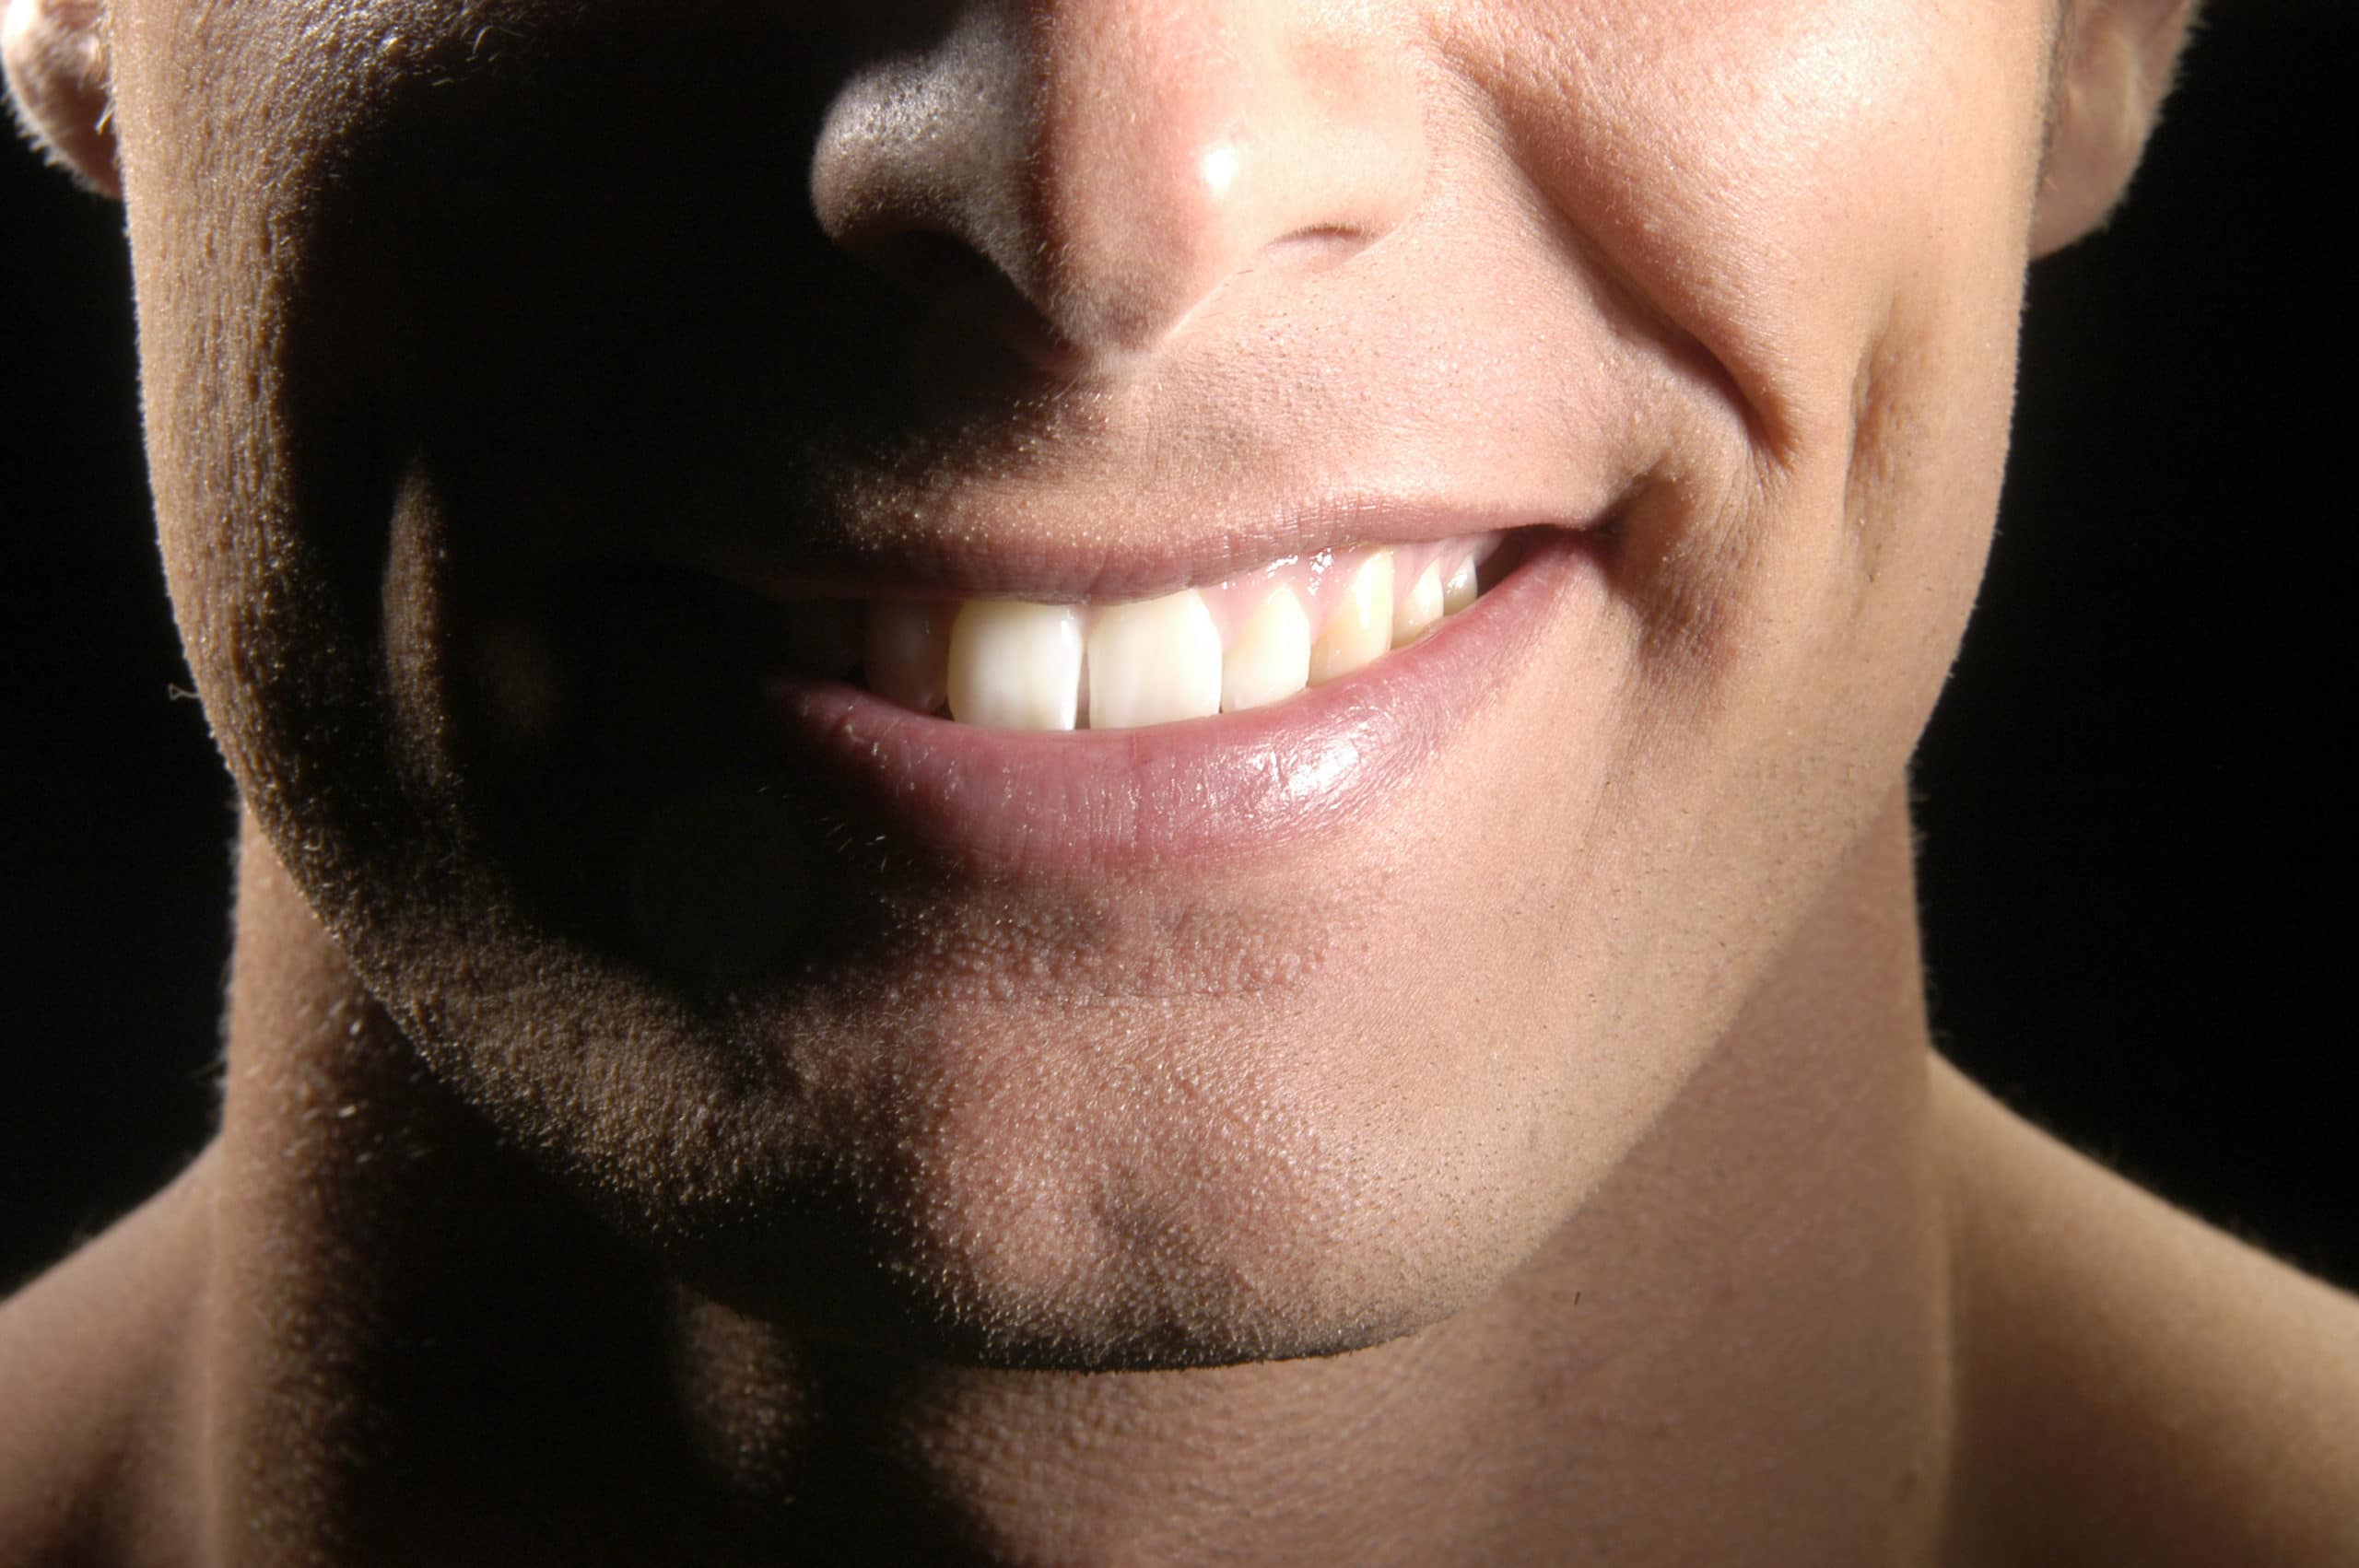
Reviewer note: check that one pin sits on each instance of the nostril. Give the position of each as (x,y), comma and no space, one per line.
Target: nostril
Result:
(932,266)
(1317,245)
(949,282)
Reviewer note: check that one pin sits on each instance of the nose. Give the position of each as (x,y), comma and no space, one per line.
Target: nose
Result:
(1106,168)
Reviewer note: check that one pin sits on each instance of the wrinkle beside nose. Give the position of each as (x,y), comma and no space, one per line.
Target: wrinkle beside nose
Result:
(1116,163)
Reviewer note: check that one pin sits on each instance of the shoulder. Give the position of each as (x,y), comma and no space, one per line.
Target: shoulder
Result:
(2134,1385)
(94,1356)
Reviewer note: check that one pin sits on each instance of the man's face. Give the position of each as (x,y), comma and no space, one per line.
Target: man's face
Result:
(530,381)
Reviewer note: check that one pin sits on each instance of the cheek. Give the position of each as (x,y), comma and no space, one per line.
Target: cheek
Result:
(1823,205)
(1821,208)
(1769,179)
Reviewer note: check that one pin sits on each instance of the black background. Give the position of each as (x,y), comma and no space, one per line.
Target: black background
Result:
(2135,862)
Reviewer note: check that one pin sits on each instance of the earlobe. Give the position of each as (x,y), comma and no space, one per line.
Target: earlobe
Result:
(2116,63)
(56,59)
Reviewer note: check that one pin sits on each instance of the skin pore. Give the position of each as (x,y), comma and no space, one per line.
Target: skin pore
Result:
(1579,1089)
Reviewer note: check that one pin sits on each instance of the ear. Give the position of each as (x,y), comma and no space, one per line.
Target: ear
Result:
(56,59)
(2115,62)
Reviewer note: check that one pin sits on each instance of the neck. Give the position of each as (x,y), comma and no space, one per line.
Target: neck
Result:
(415,1349)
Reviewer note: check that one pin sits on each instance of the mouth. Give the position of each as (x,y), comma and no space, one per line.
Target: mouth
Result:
(991,717)
(1199,728)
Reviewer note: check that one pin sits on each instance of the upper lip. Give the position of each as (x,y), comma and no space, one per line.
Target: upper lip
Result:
(1192,481)
(1133,549)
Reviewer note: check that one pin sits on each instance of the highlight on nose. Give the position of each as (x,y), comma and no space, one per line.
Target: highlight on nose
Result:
(1092,172)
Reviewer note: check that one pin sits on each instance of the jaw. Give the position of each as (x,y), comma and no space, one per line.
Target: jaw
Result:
(1710,1285)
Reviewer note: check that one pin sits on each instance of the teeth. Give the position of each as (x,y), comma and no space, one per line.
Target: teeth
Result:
(824,639)
(907,651)
(1272,658)
(1015,666)
(1420,610)
(1361,627)
(1153,663)
(1012,665)
(1461,590)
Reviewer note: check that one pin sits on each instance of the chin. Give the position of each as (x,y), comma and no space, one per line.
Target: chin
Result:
(885,1156)
(1089,1279)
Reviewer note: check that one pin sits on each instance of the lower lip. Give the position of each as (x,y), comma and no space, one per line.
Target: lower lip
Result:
(1206,791)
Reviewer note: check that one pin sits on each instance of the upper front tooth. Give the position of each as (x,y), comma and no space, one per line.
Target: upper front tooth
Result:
(1015,666)
(1461,590)
(1419,609)
(1271,658)
(822,637)
(1153,661)
(1361,626)
(907,651)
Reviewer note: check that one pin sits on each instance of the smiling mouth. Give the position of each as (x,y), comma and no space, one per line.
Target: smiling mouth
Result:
(1050,738)
(1192,792)
(1244,643)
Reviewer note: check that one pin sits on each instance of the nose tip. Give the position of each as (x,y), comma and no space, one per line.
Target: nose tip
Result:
(1111,165)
